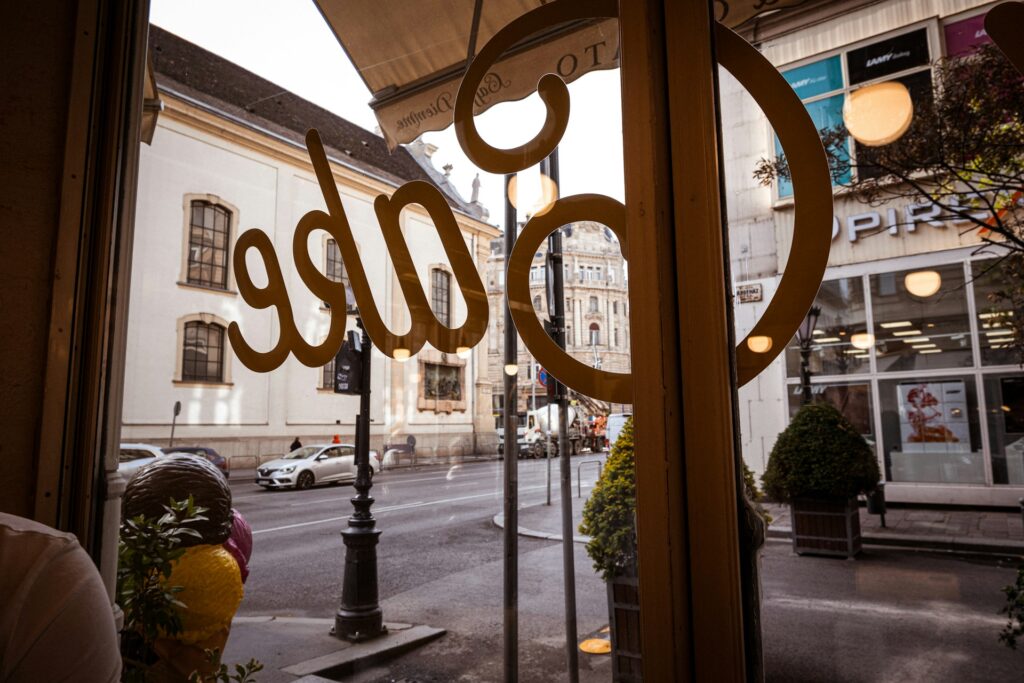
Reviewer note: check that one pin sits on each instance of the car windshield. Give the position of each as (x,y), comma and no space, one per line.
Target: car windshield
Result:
(129,454)
(302,453)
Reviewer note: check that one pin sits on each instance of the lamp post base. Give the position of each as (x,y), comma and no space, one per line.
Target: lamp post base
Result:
(359,617)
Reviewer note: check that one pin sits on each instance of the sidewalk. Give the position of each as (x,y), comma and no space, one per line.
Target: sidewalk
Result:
(963,530)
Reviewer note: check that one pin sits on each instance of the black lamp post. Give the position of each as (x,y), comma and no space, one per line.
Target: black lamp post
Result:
(805,335)
(359,617)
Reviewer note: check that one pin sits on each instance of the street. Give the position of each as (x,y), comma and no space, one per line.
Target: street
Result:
(892,615)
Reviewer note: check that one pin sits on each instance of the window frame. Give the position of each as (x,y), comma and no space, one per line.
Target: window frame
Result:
(936,50)
(442,274)
(206,319)
(233,214)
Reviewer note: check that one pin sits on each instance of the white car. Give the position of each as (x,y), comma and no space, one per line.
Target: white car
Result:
(304,467)
(134,455)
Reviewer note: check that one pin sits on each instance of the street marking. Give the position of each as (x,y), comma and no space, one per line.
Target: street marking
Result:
(404,506)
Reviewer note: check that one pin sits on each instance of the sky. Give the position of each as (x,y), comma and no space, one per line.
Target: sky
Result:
(289,43)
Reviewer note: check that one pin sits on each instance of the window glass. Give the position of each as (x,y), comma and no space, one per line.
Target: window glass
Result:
(208,245)
(853,400)
(831,349)
(202,355)
(965,36)
(888,56)
(440,295)
(919,84)
(826,114)
(1004,401)
(327,375)
(997,327)
(930,430)
(924,330)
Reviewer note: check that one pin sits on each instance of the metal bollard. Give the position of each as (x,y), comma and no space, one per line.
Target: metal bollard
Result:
(876,502)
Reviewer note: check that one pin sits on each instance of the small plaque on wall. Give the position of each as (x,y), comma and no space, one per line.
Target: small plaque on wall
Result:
(748,294)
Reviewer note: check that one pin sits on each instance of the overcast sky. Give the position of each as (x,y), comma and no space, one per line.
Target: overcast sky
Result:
(288,42)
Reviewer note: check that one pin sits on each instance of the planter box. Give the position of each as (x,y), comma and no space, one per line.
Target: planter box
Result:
(624,624)
(826,527)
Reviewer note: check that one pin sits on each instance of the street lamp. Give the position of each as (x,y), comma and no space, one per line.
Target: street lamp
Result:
(359,617)
(805,335)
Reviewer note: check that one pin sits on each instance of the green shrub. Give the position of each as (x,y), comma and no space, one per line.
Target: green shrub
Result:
(1014,611)
(820,455)
(609,514)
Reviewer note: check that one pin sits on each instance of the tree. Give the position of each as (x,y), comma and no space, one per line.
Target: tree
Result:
(963,153)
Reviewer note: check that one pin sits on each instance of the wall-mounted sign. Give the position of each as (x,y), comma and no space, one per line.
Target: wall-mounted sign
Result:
(751,293)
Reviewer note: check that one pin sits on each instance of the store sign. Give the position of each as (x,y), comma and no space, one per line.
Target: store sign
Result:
(965,36)
(897,221)
(888,56)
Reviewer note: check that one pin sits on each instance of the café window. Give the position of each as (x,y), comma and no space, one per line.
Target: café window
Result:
(998,327)
(823,85)
(202,352)
(1004,400)
(852,399)
(208,237)
(440,295)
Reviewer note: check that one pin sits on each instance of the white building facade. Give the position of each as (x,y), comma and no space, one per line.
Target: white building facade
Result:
(926,379)
(216,168)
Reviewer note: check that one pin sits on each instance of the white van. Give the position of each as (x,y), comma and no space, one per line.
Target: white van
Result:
(616,421)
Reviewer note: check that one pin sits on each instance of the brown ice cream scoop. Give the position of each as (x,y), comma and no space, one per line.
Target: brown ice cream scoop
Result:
(177,476)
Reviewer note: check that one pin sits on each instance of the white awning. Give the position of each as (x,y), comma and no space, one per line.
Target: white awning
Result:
(412,54)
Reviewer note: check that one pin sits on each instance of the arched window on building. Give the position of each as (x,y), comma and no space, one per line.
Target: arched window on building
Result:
(208,237)
(537,304)
(441,295)
(202,357)
(595,334)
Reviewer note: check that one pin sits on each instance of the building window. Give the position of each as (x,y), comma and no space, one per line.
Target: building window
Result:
(209,231)
(615,307)
(594,305)
(595,334)
(536,303)
(334,267)
(824,84)
(440,295)
(616,336)
(202,357)
(327,376)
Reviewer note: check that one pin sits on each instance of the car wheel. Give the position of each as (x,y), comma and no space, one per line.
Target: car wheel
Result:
(304,481)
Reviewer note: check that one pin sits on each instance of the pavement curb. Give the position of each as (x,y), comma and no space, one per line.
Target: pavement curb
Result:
(399,638)
(950,543)
(499,521)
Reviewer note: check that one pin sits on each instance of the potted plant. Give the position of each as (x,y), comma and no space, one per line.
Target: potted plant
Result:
(819,465)
(609,518)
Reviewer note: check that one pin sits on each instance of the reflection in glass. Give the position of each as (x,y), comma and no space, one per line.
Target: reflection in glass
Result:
(842,316)
(1004,400)
(852,400)
(918,333)
(930,430)
(996,328)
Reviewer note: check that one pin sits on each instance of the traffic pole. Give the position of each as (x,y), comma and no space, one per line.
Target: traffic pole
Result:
(511,480)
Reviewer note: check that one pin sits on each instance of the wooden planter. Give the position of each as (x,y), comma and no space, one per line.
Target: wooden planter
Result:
(826,527)
(624,623)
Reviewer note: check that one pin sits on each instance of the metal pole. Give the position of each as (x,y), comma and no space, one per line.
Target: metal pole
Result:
(359,617)
(805,370)
(174,421)
(568,558)
(547,449)
(511,559)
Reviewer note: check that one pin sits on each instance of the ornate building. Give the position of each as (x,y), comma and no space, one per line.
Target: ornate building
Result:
(596,308)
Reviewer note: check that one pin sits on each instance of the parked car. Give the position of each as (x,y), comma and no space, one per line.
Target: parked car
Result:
(213,456)
(134,455)
(318,464)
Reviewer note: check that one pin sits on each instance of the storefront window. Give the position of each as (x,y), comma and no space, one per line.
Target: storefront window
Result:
(852,400)
(996,331)
(836,346)
(920,319)
(930,430)
(1004,401)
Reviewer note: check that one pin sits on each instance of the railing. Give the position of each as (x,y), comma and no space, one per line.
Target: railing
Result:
(600,468)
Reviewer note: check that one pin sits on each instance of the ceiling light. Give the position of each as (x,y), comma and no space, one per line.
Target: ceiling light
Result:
(511,369)
(401,355)
(906,333)
(901,323)
(878,114)
(862,340)
(922,346)
(825,340)
(463,352)
(931,351)
(759,344)
(817,332)
(999,333)
(995,314)
(916,340)
(923,283)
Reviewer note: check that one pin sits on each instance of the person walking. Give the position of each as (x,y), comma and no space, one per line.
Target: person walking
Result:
(296,445)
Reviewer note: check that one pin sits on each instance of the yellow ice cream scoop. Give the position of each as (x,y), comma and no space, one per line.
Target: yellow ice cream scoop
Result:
(212,590)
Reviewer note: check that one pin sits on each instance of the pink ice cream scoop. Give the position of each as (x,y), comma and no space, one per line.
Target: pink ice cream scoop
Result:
(239,542)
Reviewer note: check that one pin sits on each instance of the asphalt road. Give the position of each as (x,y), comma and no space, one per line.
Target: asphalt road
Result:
(892,615)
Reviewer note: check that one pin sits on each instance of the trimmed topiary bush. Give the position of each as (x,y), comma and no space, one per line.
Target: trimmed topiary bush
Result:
(609,514)
(820,455)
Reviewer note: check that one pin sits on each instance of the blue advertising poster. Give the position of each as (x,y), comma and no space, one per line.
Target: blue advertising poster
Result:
(826,113)
(815,78)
